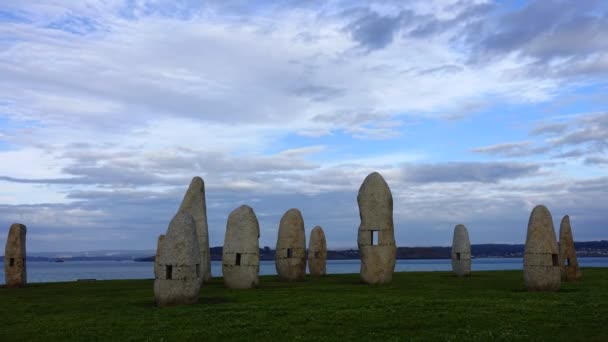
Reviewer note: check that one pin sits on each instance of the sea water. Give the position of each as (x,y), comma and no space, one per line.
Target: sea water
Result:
(44,271)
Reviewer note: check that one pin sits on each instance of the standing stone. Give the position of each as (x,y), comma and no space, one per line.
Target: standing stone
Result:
(376,238)
(291,247)
(541,255)
(461,251)
(15,271)
(194,204)
(157,257)
(179,273)
(241,252)
(317,252)
(567,253)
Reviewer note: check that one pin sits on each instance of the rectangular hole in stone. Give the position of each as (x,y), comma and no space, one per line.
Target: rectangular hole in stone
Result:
(169,272)
(316,255)
(238,259)
(374,237)
(289,253)
(11,262)
(555,259)
(457,256)
(567,261)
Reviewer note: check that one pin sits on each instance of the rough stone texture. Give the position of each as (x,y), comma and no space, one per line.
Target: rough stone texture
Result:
(241,252)
(541,255)
(15,270)
(317,252)
(376,211)
(157,257)
(461,251)
(179,272)
(291,240)
(194,204)
(567,254)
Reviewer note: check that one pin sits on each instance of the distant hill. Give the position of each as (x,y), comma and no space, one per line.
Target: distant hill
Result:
(583,249)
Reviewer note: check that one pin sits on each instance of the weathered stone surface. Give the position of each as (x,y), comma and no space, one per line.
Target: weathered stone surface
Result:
(461,251)
(376,238)
(291,247)
(194,204)
(317,252)
(567,253)
(179,272)
(541,255)
(15,270)
(157,257)
(241,252)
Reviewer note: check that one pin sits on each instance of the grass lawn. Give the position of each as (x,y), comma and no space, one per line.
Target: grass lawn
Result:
(416,306)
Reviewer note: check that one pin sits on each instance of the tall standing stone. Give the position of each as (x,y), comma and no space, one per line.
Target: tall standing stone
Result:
(461,251)
(179,273)
(317,252)
(541,254)
(241,252)
(194,204)
(157,257)
(567,253)
(291,247)
(376,237)
(15,270)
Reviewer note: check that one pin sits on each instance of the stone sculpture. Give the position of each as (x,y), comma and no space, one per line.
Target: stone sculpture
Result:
(157,257)
(317,252)
(194,204)
(241,252)
(376,237)
(179,273)
(461,251)
(15,270)
(541,255)
(567,254)
(291,247)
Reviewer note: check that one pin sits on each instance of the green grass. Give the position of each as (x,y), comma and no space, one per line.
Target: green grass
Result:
(416,306)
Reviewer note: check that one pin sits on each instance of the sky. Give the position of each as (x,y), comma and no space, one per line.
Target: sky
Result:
(473,111)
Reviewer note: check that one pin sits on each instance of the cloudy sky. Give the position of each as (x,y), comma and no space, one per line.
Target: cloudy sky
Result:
(474,111)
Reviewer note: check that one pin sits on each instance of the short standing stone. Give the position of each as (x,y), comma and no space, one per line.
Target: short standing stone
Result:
(541,254)
(194,204)
(461,251)
(241,252)
(157,257)
(178,279)
(15,271)
(567,253)
(317,252)
(291,247)
(376,238)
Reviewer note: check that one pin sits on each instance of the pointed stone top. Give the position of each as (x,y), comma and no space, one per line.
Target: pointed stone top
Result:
(541,234)
(460,241)
(197,183)
(291,228)
(17,228)
(242,210)
(565,230)
(292,214)
(461,232)
(374,179)
(317,230)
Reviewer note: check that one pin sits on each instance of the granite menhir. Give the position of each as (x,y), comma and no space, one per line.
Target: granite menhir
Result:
(15,270)
(241,252)
(291,247)
(541,254)
(317,252)
(194,204)
(461,251)
(179,273)
(376,237)
(567,254)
